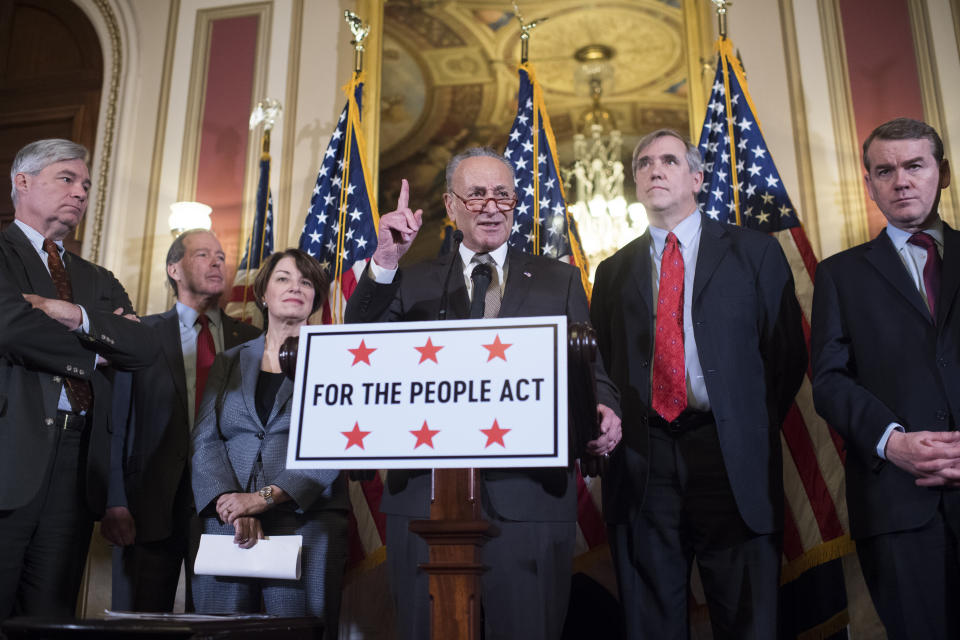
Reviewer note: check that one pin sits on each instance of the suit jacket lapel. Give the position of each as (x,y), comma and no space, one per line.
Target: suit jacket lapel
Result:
(81,287)
(714,243)
(37,276)
(231,334)
(458,302)
(642,270)
(884,259)
(950,273)
(169,333)
(251,354)
(283,396)
(520,276)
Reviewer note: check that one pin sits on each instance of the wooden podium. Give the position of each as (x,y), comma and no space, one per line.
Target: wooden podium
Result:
(455,533)
(456,530)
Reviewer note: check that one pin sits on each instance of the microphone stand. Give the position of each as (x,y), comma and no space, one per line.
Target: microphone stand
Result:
(457,239)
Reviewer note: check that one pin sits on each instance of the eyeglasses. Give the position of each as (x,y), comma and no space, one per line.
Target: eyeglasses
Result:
(476,205)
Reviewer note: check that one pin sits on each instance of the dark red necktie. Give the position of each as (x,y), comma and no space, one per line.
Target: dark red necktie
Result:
(79,392)
(206,352)
(931,270)
(669,370)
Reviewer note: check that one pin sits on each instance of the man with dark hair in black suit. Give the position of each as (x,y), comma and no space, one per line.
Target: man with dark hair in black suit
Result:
(150,506)
(885,340)
(65,322)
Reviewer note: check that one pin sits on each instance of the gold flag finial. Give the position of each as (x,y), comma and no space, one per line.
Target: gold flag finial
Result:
(721,6)
(525,29)
(360,32)
(268,112)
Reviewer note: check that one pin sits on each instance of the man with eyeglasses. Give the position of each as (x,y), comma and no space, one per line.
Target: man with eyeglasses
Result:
(527,586)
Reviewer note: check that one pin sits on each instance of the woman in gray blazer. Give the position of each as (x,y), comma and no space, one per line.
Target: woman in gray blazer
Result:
(240,482)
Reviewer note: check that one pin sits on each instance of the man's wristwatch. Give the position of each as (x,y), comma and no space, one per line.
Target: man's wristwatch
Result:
(267,494)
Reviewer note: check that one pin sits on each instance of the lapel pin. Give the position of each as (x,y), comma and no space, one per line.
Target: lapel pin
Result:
(528,274)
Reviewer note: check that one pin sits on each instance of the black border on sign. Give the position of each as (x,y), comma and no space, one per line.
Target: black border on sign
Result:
(492,327)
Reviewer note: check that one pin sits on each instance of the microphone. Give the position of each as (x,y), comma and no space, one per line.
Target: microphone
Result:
(457,239)
(482,276)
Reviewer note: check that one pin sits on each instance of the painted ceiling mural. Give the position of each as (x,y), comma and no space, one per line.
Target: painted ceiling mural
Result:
(449,81)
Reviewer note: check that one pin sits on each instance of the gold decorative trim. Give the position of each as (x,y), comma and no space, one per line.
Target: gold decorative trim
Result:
(371,11)
(283,219)
(955,14)
(930,94)
(196,92)
(196,100)
(109,120)
(852,205)
(156,161)
(698,34)
(798,117)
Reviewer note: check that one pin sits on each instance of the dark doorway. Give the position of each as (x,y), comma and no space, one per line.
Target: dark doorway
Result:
(51,74)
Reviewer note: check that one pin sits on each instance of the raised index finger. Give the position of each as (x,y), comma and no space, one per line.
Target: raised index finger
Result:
(404,200)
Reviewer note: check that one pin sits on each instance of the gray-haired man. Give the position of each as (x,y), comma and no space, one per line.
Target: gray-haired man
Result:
(66,323)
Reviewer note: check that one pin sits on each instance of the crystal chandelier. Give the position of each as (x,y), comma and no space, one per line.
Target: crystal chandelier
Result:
(604,219)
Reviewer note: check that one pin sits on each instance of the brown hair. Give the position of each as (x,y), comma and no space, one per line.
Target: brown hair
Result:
(306,264)
(905,129)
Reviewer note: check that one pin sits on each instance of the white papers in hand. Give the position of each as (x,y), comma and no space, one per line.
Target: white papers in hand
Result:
(273,557)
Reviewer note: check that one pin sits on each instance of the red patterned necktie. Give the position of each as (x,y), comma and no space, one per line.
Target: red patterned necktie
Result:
(669,371)
(79,392)
(206,352)
(931,270)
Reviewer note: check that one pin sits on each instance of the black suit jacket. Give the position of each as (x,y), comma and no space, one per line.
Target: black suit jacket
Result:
(151,446)
(535,286)
(878,358)
(747,326)
(36,352)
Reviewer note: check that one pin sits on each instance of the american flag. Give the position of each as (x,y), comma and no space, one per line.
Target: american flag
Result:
(742,186)
(340,229)
(542,225)
(259,246)
(541,222)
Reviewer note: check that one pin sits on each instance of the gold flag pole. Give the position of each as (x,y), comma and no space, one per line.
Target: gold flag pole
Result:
(267,112)
(360,32)
(721,6)
(525,29)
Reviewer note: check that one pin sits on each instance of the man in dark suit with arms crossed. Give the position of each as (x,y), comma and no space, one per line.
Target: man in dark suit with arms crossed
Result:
(65,321)
(150,505)
(700,329)
(885,340)
(527,586)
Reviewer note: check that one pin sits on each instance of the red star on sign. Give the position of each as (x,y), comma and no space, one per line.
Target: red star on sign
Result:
(495,434)
(428,351)
(361,353)
(425,435)
(355,436)
(497,349)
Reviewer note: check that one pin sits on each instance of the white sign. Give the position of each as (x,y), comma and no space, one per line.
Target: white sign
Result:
(456,393)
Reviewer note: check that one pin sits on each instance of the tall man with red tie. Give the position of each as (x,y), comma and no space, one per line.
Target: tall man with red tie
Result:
(67,324)
(150,505)
(885,343)
(700,329)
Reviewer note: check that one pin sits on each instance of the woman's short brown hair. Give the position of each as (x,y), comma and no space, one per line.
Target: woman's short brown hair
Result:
(306,264)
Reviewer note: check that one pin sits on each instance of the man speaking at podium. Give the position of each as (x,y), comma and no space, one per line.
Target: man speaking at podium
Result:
(527,586)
